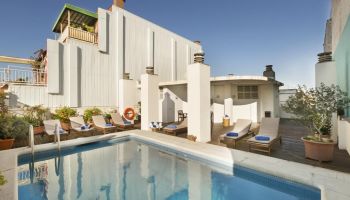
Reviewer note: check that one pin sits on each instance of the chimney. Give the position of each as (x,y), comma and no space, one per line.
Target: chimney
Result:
(269,73)
(119,3)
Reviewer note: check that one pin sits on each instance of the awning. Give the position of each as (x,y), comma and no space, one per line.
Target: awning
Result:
(78,16)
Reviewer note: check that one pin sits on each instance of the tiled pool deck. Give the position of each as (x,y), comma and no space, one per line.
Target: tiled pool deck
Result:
(333,184)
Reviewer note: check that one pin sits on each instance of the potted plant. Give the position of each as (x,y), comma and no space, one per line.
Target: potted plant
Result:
(107,117)
(314,108)
(88,113)
(12,128)
(63,114)
(35,116)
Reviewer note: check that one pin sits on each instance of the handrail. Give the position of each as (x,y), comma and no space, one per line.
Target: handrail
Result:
(31,138)
(26,75)
(57,128)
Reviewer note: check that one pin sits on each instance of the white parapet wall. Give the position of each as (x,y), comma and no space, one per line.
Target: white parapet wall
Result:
(127,94)
(344,134)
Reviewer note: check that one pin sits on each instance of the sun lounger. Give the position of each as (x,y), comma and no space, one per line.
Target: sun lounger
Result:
(101,124)
(78,124)
(50,128)
(120,122)
(240,130)
(176,128)
(267,136)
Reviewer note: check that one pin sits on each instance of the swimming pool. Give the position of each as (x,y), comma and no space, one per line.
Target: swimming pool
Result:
(134,169)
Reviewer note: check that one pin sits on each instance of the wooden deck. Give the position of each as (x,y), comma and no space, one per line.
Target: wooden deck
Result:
(292,148)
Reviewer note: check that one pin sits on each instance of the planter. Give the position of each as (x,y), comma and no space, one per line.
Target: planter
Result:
(65,125)
(318,150)
(6,144)
(38,129)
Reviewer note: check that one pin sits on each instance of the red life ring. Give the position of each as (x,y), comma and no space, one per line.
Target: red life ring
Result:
(129,114)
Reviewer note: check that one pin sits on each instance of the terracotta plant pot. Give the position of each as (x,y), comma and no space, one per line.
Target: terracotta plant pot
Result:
(38,129)
(65,126)
(6,144)
(319,150)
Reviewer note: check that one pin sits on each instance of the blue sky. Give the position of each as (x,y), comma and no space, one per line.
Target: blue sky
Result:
(238,37)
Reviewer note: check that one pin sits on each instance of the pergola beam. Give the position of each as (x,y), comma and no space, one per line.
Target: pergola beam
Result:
(8,59)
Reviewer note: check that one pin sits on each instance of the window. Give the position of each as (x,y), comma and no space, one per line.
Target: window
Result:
(247,92)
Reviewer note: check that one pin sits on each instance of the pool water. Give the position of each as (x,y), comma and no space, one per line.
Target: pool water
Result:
(132,169)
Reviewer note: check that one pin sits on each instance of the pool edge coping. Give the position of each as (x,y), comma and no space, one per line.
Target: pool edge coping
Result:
(326,180)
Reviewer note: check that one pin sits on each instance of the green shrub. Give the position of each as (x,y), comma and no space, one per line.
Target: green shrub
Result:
(88,113)
(64,113)
(3,106)
(35,115)
(13,127)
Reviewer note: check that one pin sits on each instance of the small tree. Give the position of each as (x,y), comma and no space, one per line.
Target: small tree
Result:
(314,107)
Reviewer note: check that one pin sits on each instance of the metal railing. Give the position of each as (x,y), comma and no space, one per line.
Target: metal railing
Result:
(23,75)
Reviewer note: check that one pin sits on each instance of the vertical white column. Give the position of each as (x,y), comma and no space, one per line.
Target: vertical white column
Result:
(228,104)
(198,93)
(127,94)
(73,75)
(149,100)
(102,30)
(55,55)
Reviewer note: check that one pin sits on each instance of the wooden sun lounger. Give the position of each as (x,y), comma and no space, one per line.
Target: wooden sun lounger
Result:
(77,123)
(119,122)
(50,128)
(241,127)
(269,127)
(100,124)
(181,128)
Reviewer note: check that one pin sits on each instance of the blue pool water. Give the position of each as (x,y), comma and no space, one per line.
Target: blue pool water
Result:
(132,169)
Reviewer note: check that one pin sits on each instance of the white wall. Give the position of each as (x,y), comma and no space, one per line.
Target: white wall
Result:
(284,94)
(340,14)
(82,74)
(242,108)
(149,44)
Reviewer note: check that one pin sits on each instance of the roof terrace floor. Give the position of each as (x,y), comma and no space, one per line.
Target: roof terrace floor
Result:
(291,149)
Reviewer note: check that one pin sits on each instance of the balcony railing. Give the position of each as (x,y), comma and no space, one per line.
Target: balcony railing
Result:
(79,34)
(22,75)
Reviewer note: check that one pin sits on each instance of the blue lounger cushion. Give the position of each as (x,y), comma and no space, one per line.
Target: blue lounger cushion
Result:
(262,138)
(172,126)
(127,123)
(232,134)
(109,124)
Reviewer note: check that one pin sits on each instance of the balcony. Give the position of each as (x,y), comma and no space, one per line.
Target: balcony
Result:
(79,34)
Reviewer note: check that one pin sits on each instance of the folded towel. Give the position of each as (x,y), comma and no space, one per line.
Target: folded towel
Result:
(232,134)
(172,126)
(82,127)
(262,138)
(109,124)
(127,122)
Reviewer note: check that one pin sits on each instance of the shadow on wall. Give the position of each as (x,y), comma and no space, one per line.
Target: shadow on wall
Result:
(168,111)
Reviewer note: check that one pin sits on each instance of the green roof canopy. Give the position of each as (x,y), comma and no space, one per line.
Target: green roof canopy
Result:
(77,16)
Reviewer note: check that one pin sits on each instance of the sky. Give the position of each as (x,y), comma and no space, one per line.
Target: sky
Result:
(238,36)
